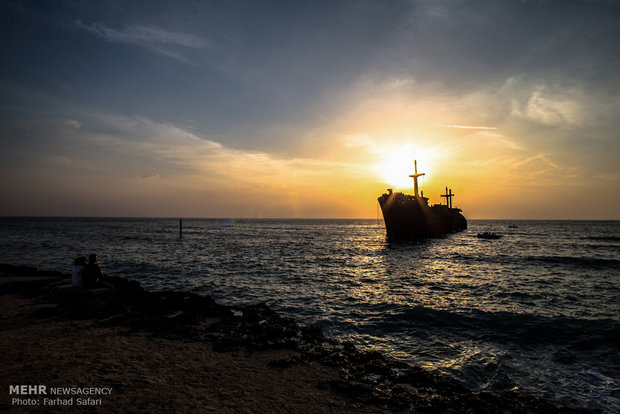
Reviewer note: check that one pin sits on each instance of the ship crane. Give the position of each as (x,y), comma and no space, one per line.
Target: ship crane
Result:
(415,176)
(448,197)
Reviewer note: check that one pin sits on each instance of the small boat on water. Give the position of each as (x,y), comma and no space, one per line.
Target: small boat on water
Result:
(487,235)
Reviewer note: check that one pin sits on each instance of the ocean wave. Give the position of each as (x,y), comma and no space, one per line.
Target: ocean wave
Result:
(506,259)
(577,261)
(507,326)
(613,239)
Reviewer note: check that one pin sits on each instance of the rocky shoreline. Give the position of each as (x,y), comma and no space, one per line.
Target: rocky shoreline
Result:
(378,383)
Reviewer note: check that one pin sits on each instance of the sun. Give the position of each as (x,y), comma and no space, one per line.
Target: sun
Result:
(398,165)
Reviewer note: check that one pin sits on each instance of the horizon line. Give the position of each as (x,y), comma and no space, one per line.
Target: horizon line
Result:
(277,218)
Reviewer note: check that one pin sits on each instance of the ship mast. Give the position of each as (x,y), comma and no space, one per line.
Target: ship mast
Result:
(415,176)
(448,197)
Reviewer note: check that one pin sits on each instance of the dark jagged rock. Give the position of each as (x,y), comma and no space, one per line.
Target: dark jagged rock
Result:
(312,335)
(371,378)
(48,273)
(18,270)
(29,271)
(125,287)
(256,327)
(285,363)
(34,281)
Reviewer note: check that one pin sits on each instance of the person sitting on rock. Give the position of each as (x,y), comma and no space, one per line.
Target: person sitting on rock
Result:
(77,273)
(93,275)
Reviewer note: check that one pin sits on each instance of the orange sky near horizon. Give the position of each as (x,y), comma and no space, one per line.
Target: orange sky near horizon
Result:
(353,160)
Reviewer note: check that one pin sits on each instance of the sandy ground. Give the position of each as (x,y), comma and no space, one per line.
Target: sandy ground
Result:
(150,374)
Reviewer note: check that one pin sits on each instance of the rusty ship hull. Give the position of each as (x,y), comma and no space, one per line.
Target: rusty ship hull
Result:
(409,217)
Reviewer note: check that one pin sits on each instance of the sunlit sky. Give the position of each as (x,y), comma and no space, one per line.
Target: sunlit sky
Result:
(309,108)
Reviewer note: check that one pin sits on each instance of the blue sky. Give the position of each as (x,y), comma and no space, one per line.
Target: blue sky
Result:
(304,108)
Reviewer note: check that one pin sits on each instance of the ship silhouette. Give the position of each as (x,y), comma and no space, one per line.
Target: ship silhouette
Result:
(409,217)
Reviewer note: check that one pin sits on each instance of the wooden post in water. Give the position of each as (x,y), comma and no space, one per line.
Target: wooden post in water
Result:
(180,228)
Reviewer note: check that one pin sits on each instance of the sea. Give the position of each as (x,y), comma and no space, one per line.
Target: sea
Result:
(536,310)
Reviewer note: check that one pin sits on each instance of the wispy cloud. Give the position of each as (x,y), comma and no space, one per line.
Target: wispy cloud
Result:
(174,155)
(467,127)
(550,103)
(549,110)
(72,123)
(154,38)
(151,176)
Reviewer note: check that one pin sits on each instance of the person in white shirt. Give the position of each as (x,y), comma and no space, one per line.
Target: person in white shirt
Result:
(77,273)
